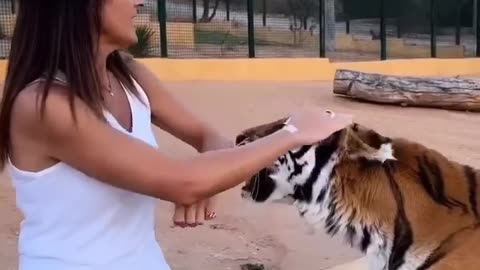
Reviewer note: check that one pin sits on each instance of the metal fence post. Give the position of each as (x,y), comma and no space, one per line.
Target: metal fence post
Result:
(399,28)
(458,26)
(264,18)
(347,18)
(227,7)
(477,27)
(433,30)
(251,28)
(194,11)
(322,27)
(14,6)
(383,32)
(162,19)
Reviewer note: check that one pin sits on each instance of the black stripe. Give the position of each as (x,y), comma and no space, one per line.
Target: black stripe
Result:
(294,156)
(333,230)
(300,153)
(448,201)
(432,180)
(366,240)
(350,234)
(297,168)
(323,152)
(330,222)
(322,194)
(433,258)
(472,189)
(425,179)
(403,236)
(298,194)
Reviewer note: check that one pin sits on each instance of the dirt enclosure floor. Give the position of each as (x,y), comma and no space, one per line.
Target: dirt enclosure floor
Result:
(272,235)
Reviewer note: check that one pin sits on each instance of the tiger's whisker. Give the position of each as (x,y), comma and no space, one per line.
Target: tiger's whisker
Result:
(256,186)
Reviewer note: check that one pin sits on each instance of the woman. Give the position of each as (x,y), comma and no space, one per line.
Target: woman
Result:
(76,137)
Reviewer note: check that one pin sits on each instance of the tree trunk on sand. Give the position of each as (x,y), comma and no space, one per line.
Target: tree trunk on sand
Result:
(446,93)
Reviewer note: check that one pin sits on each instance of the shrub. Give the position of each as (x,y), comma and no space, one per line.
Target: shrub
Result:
(142,47)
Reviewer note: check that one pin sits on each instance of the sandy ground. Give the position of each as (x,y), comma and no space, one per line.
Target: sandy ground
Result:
(272,235)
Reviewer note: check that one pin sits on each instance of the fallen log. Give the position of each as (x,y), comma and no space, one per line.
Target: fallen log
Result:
(446,93)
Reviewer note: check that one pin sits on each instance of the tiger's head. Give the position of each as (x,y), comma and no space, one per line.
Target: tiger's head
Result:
(301,175)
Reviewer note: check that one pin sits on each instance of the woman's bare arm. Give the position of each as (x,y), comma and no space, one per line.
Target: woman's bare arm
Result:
(97,149)
(169,114)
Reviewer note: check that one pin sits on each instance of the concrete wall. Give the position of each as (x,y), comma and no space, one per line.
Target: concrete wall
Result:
(295,69)
(396,47)
(302,69)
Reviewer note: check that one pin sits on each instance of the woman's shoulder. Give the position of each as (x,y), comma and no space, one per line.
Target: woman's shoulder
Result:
(36,112)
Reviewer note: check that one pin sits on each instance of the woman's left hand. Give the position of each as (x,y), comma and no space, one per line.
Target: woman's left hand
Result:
(193,215)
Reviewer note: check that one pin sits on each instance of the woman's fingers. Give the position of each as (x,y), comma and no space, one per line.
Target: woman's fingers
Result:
(179,216)
(200,212)
(192,216)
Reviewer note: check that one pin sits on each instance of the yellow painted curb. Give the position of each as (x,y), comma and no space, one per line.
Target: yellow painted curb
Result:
(295,69)
(301,69)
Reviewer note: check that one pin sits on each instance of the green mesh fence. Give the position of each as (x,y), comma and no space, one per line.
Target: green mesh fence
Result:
(7,24)
(287,28)
(148,31)
(413,28)
(342,30)
(203,29)
(347,30)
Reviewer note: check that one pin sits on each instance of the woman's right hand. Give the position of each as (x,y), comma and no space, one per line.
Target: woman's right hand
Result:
(315,124)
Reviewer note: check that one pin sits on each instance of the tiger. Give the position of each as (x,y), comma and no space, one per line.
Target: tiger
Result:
(402,204)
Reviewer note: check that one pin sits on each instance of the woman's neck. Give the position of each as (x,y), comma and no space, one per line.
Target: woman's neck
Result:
(101,61)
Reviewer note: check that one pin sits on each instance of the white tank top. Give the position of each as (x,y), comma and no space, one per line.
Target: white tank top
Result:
(75,222)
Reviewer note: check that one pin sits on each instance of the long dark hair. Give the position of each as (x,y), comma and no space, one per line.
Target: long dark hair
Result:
(52,36)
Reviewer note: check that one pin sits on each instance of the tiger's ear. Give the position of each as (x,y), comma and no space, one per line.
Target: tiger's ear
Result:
(379,149)
(260,131)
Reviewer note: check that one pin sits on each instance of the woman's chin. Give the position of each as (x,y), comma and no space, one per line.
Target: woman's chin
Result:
(127,42)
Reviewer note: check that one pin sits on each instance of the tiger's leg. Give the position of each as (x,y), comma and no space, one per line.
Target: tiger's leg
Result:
(460,254)
(456,264)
